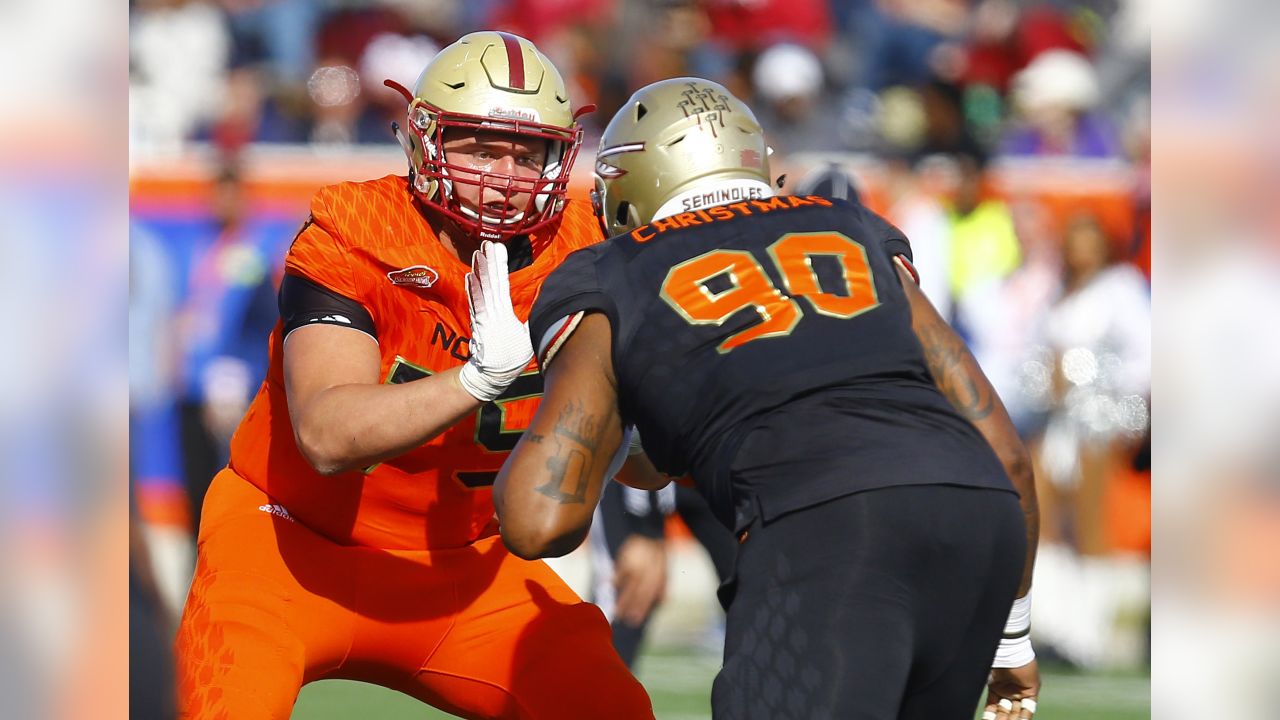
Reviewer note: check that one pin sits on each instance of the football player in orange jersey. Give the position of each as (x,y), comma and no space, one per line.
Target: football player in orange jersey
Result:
(352,534)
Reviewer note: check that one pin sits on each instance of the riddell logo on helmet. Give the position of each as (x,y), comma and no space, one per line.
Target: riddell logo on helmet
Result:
(416,275)
(515,114)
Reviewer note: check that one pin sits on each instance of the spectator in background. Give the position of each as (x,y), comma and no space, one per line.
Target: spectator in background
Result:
(1004,38)
(580,48)
(907,40)
(396,57)
(1002,318)
(1055,97)
(670,40)
(327,89)
(230,306)
(543,21)
(279,32)
(792,106)
(272,51)
(629,556)
(163,509)
(179,51)
(753,25)
(339,95)
(946,130)
(915,207)
(1098,332)
(984,247)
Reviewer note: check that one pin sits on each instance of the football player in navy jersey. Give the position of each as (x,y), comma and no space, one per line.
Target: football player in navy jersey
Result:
(778,351)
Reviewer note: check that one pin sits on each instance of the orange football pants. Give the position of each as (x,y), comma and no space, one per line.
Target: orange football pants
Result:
(474,631)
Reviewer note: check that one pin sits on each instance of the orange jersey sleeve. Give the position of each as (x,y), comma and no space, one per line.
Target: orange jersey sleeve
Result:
(317,252)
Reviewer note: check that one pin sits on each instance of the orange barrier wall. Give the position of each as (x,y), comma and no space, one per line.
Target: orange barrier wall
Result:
(282,180)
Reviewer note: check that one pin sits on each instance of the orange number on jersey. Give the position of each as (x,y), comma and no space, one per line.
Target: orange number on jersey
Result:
(793,255)
(499,424)
(689,287)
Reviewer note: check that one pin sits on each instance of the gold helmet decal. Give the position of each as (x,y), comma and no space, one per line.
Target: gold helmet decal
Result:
(496,82)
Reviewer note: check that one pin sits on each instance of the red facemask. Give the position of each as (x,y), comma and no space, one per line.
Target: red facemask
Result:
(434,177)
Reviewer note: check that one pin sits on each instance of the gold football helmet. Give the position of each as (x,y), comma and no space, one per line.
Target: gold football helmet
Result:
(670,136)
(493,81)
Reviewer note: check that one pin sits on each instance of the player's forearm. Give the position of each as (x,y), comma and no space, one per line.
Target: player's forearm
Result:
(1002,437)
(967,388)
(349,427)
(549,487)
(998,430)
(1031,514)
(546,493)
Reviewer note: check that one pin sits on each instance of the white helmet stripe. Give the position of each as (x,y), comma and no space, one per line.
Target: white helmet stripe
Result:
(618,149)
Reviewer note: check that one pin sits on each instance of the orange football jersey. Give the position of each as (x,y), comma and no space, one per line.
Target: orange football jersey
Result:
(369,242)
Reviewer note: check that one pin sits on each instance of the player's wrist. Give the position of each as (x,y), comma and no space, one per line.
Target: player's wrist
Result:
(485,385)
(1015,645)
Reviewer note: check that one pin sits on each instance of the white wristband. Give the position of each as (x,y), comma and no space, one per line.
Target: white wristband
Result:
(1015,647)
(1019,616)
(1014,653)
(481,386)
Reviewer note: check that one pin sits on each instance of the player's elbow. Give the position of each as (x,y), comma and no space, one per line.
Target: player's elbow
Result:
(318,452)
(525,543)
(530,541)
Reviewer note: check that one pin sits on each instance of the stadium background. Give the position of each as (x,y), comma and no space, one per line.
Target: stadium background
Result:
(241,109)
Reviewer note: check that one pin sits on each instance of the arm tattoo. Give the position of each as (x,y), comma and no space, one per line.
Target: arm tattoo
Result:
(946,357)
(577,436)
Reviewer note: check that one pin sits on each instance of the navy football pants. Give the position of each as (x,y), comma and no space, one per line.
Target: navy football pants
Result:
(886,603)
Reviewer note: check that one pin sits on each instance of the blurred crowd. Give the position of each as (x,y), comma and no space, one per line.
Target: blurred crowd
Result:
(902,77)
(1055,302)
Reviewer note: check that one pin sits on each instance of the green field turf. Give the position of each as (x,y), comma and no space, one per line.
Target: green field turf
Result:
(679,681)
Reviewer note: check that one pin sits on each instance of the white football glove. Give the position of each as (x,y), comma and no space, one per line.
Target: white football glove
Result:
(500,345)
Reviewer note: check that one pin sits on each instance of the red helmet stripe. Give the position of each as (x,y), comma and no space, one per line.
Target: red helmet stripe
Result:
(515,59)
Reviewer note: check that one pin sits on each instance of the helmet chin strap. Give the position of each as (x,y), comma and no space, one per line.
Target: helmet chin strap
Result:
(403,139)
(554,150)
(540,200)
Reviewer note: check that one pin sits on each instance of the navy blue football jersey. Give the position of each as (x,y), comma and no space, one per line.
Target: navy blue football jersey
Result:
(766,347)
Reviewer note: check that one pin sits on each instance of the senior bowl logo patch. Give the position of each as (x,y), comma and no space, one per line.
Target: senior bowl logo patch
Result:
(415,275)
